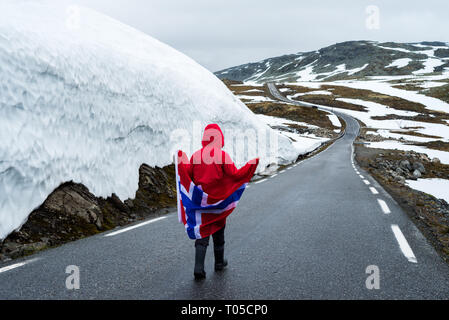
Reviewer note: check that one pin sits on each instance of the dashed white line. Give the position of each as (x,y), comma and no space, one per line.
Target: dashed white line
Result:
(383,205)
(282,171)
(373,190)
(274,175)
(134,227)
(260,181)
(403,244)
(361,177)
(366,182)
(17,265)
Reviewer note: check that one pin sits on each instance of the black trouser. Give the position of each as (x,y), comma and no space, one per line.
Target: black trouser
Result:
(218,240)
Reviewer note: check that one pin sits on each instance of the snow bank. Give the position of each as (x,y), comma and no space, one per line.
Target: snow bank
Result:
(439,188)
(86,98)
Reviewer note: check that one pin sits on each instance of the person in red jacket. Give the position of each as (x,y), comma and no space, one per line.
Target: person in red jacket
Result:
(213,170)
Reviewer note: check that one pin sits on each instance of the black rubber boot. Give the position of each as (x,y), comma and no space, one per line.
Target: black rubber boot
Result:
(220,261)
(200,255)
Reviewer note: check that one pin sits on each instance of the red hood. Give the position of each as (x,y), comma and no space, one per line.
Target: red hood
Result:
(213,134)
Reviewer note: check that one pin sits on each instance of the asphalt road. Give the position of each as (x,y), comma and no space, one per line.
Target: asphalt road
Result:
(309,232)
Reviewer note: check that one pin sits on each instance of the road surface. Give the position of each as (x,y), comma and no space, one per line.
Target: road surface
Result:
(310,232)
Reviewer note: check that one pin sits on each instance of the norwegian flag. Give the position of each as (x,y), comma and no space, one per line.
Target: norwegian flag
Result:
(202,214)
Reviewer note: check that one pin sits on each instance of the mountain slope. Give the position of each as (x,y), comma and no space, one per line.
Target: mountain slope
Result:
(352,59)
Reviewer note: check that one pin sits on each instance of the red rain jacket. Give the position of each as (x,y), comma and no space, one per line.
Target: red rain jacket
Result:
(213,169)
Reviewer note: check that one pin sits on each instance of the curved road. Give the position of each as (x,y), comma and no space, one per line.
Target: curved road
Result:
(309,232)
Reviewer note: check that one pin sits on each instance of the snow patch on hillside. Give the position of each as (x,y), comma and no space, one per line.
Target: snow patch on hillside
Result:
(429,66)
(386,88)
(305,142)
(400,63)
(335,121)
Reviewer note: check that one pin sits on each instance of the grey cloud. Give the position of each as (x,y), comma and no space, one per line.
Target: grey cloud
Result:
(220,34)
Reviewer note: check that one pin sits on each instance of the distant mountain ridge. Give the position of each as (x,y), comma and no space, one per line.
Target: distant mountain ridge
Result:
(346,60)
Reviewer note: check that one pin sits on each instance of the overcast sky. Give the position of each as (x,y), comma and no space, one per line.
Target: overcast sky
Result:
(224,33)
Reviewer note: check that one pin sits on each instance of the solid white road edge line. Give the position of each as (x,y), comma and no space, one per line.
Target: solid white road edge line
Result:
(403,244)
(373,190)
(134,227)
(383,205)
(17,265)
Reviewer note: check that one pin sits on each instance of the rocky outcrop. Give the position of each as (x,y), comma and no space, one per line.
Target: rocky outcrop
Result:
(72,212)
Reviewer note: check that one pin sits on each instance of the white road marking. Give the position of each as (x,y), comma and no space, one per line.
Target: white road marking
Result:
(274,175)
(366,182)
(373,190)
(17,265)
(134,227)
(361,177)
(282,171)
(383,205)
(289,168)
(403,244)
(260,181)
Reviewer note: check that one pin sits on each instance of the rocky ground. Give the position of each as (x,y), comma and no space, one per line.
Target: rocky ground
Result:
(71,212)
(391,168)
